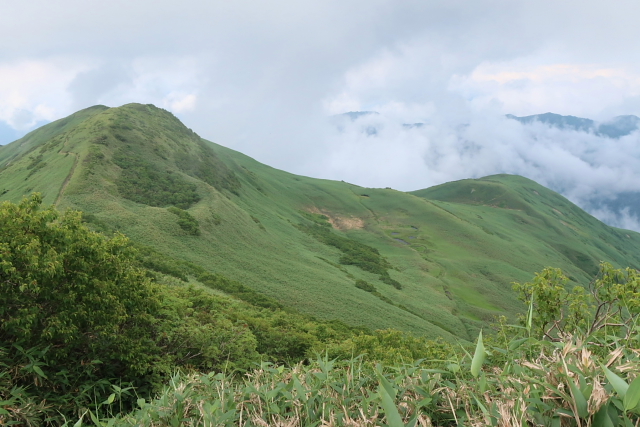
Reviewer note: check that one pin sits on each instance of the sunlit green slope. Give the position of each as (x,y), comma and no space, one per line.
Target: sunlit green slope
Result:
(453,249)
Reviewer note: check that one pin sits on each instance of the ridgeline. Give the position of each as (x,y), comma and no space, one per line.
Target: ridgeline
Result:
(440,261)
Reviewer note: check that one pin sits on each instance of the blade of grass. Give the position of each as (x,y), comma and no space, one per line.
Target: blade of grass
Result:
(478,357)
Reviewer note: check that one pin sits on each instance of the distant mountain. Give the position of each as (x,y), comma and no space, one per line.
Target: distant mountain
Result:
(437,262)
(619,126)
(615,128)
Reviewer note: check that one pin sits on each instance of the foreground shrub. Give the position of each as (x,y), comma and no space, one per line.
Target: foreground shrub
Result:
(79,320)
(75,310)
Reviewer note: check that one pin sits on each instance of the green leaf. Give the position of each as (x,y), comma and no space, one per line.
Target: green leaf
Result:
(565,412)
(79,422)
(275,409)
(300,390)
(424,402)
(423,392)
(38,371)
(390,410)
(579,400)
(513,345)
(602,418)
(413,421)
(482,384)
(530,314)
(110,399)
(391,391)
(500,350)
(484,410)
(618,383)
(436,371)
(478,357)
(95,419)
(632,398)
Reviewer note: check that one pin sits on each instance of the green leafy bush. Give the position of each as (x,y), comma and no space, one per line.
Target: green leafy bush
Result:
(79,317)
(610,305)
(238,290)
(186,221)
(35,165)
(365,286)
(155,261)
(142,182)
(75,309)
(196,332)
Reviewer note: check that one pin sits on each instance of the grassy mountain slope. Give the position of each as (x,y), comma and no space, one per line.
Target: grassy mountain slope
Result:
(445,256)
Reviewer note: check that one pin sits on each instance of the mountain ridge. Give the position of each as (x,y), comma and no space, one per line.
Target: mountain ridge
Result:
(454,249)
(614,128)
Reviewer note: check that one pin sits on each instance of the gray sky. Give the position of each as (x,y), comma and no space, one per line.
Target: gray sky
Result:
(265,77)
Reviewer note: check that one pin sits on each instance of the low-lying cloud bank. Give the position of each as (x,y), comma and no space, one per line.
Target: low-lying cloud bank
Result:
(598,173)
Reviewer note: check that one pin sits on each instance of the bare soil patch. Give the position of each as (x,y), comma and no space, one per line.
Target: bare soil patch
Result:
(337,221)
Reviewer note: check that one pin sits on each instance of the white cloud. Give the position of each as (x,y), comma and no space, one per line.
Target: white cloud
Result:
(566,88)
(180,102)
(32,91)
(341,103)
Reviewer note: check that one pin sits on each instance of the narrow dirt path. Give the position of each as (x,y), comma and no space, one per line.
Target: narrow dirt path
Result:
(73,169)
(68,178)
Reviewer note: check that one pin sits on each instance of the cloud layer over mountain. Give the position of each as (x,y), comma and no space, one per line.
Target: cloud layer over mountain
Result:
(262,78)
(591,170)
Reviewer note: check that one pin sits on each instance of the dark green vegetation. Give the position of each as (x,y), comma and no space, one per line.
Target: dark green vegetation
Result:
(441,260)
(186,221)
(140,181)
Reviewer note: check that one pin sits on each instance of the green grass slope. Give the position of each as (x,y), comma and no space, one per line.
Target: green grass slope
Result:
(438,262)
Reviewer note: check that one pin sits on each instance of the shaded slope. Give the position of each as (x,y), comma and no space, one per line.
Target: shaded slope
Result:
(453,256)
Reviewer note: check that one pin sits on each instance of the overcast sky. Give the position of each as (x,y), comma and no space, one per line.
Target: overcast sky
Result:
(264,77)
